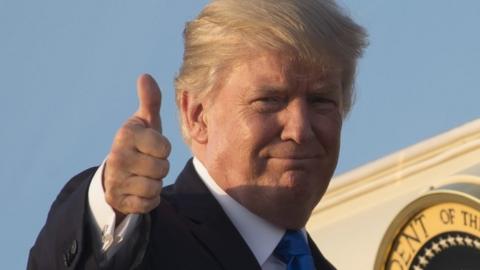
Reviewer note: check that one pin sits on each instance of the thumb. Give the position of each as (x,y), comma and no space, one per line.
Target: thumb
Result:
(149,97)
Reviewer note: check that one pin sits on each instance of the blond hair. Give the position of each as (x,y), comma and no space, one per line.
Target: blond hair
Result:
(315,32)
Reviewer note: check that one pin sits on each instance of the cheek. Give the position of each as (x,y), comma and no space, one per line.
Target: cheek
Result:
(235,138)
(328,129)
(252,136)
(259,132)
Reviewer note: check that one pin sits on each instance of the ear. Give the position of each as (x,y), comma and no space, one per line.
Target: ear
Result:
(194,117)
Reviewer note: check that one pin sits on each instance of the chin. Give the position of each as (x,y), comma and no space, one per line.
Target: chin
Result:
(292,214)
(294,221)
(299,184)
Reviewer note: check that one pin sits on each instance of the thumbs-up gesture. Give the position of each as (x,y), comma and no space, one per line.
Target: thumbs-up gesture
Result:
(137,162)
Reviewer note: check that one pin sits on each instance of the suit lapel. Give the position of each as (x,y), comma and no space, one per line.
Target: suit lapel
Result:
(210,224)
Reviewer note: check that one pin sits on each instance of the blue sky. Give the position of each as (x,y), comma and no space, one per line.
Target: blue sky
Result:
(68,72)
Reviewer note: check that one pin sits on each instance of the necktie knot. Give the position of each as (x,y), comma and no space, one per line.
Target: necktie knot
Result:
(294,251)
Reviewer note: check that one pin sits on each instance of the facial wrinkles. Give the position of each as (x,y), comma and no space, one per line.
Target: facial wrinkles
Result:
(246,119)
(262,126)
(250,160)
(297,88)
(237,115)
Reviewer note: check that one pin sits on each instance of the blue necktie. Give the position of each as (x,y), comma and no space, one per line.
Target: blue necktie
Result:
(294,251)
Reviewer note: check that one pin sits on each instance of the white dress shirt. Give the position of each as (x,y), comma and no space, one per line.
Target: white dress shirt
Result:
(261,236)
(103,217)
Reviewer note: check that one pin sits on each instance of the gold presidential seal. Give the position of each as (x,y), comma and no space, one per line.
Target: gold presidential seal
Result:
(438,231)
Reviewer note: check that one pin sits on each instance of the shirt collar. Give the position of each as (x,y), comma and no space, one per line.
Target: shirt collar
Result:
(261,236)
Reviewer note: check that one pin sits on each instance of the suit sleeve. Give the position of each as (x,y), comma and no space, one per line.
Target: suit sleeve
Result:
(65,240)
(68,239)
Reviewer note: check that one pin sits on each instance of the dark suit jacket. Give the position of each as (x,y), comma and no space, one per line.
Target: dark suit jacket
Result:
(188,230)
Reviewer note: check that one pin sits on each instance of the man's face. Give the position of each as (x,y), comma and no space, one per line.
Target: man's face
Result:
(273,137)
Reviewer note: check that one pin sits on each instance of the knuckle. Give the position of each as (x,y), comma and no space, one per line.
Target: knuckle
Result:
(164,168)
(151,133)
(115,170)
(131,204)
(165,146)
(142,205)
(126,204)
(115,159)
(143,191)
(154,191)
(148,166)
(124,134)
(149,188)
(149,193)
(137,122)
(121,161)
(168,147)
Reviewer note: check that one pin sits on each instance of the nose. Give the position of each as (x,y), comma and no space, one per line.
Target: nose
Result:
(297,123)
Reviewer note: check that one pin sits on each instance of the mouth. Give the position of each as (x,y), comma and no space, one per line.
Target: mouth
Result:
(295,157)
(295,162)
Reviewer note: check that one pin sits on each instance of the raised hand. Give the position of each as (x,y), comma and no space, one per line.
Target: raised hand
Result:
(137,162)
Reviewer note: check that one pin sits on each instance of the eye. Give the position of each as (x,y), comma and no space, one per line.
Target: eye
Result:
(320,102)
(269,103)
(269,99)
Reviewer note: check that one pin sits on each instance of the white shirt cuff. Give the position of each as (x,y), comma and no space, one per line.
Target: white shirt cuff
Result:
(103,217)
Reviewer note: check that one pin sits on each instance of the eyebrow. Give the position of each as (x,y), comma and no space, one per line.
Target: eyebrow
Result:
(326,87)
(321,88)
(272,89)
(324,84)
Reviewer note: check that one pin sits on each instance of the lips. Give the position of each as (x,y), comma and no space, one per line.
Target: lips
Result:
(294,158)
(297,155)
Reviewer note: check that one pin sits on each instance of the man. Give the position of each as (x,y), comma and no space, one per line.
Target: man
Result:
(262,92)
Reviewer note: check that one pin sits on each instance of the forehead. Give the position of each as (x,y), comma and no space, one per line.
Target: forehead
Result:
(275,68)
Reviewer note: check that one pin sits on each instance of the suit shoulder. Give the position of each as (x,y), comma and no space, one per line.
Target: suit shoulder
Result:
(73,184)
